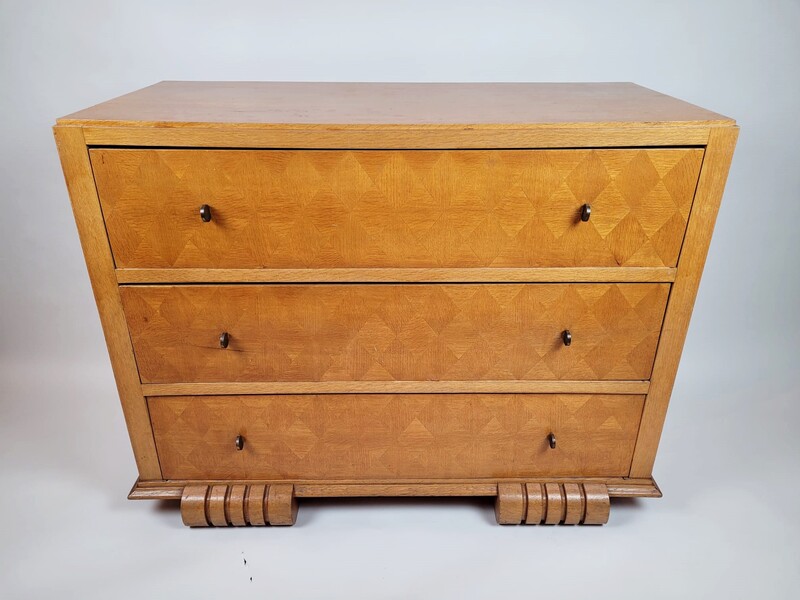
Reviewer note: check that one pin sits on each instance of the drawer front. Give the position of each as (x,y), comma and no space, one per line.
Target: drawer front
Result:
(376,436)
(384,332)
(412,209)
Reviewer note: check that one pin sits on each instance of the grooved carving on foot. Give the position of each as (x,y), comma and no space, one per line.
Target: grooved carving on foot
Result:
(552,503)
(238,505)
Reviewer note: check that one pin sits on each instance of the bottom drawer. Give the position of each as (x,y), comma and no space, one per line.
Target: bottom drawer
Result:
(394,436)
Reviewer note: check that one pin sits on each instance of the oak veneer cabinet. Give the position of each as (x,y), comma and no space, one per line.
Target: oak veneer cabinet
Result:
(317,289)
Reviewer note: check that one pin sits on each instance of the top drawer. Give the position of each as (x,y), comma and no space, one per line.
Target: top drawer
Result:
(398,208)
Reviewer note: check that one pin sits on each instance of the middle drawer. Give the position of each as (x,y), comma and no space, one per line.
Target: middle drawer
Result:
(393,332)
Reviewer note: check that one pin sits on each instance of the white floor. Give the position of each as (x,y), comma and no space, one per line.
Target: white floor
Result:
(727,527)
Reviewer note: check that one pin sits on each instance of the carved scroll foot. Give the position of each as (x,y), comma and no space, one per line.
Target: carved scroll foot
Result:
(239,505)
(552,503)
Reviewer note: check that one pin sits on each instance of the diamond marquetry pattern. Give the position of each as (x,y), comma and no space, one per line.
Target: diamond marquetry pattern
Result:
(380,208)
(430,332)
(376,436)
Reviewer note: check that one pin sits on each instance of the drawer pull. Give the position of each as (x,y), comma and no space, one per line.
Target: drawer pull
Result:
(566,336)
(239,442)
(552,440)
(586,212)
(224,339)
(205,213)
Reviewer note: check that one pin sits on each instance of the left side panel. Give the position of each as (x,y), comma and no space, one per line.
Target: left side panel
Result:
(100,264)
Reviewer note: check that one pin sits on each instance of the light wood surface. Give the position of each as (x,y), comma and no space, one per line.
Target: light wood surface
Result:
(616,487)
(408,387)
(535,503)
(376,490)
(393,275)
(100,264)
(394,332)
(215,506)
(238,505)
(679,310)
(256,504)
(597,504)
(509,507)
(556,505)
(394,435)
(426,138)
(235,505)
(552,503)
(412,209)
(575,504)
(282,505)
(387,105)
(394,265)
(193,506)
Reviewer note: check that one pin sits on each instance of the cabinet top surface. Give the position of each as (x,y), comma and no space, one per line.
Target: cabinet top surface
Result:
(388,105)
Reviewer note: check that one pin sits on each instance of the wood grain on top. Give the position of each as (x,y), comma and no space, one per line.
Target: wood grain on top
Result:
(386,105)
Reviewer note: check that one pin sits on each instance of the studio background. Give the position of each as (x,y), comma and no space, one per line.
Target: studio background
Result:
(728,525)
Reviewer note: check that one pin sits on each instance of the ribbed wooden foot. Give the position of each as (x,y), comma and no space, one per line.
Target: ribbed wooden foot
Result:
(239,505)
(552,503)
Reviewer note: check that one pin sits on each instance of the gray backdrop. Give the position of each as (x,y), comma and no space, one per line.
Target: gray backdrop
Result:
(729,457)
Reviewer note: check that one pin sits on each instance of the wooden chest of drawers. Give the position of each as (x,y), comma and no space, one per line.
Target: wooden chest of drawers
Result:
(314,290)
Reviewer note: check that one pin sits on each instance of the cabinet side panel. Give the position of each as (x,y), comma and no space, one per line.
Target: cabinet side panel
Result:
(713,175)
(99,262)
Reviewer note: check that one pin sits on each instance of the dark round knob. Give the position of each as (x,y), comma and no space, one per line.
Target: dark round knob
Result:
(586,212)
(551,439)
(224,339)
(567,337)
(239,442)
(205,213)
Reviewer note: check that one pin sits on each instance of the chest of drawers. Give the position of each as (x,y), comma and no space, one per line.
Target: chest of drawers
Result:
(320,290)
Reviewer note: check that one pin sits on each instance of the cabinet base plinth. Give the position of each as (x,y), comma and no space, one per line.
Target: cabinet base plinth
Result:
(223,505)
(579,501)
(552,503)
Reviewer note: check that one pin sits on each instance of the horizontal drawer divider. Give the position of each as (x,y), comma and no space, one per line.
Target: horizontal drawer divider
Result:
(400,137)
(402,275)
(391,387)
